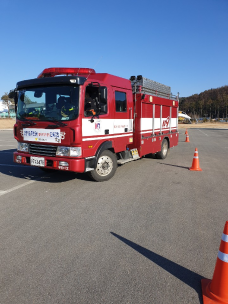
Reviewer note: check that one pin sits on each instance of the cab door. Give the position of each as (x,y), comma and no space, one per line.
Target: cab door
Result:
(96,125)
(123,115)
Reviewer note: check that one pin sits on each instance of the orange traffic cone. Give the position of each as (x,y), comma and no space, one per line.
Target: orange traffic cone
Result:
(195,163)
(186,132)
(187,138)
(216,290)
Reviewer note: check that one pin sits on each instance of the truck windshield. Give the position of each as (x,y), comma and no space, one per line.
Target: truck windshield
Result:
(48,103)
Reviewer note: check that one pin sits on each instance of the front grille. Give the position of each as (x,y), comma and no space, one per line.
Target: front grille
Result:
(44,150)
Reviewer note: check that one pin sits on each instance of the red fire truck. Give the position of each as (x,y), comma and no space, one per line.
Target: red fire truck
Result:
(74,119)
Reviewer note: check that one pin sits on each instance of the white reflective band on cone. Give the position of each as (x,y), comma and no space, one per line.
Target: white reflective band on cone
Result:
(225,237)
(195,156)
(223,256)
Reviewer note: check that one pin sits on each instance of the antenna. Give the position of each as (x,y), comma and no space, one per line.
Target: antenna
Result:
(78,69)
(98,62)
(95,66)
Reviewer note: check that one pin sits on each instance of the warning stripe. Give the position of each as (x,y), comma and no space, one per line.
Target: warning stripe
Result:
(106,137)
(225,237)
(223,256)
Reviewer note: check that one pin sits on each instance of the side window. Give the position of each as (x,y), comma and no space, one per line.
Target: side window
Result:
(95,101)
(121,101)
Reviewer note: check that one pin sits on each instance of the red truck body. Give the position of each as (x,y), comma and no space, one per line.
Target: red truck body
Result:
(127,118)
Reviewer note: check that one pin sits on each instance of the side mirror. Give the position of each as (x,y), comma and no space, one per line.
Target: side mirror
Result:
(14,94)
(103,93)
(38,94)
(15,97)
(11,94)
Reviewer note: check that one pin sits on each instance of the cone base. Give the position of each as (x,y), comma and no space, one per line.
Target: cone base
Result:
(197,169)
(208,296)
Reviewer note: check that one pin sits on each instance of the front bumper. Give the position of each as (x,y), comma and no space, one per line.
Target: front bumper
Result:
(74,164)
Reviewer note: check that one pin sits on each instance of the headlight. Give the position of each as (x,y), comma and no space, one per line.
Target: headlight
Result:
(69,151)
(75,151)
(63,151)
(23,147)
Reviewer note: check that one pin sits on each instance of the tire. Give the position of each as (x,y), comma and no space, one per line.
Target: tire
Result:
(105,167)
(164,149)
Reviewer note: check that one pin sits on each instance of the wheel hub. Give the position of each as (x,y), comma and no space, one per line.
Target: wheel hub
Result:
(104,165)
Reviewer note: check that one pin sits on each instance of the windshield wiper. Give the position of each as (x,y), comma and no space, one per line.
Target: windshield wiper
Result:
(27,122)
(57,123)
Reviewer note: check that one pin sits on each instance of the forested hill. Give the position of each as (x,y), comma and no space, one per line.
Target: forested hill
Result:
(212,103)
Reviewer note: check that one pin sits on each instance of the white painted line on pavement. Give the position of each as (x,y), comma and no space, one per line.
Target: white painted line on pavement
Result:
(203,132)
(17,187)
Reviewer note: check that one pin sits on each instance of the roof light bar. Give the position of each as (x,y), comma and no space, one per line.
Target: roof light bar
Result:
(51,72)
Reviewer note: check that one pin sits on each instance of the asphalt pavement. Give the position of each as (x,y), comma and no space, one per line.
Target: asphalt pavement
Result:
(146,236)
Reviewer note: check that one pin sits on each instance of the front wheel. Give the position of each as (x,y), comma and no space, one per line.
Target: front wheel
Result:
(105,167)
(164,149)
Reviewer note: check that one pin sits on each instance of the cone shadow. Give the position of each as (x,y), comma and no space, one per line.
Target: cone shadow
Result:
(174,166)
(187,276)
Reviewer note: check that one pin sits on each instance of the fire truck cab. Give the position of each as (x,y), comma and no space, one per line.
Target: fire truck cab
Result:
(75,119)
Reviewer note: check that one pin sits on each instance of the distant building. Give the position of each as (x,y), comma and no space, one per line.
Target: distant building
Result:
(3,107)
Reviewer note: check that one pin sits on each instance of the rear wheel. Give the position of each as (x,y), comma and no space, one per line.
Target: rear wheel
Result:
(164,149)
(105,167)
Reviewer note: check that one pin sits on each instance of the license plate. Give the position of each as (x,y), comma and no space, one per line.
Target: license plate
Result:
(37,161)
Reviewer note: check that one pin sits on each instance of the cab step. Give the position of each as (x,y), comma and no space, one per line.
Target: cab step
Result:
(124,161)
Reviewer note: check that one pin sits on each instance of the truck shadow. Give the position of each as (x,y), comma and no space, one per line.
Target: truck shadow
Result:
(8,167)
(187,276)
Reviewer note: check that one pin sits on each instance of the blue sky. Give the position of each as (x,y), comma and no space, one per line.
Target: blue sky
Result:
(180,43)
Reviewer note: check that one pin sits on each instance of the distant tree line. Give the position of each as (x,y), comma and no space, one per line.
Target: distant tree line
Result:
(212,104)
